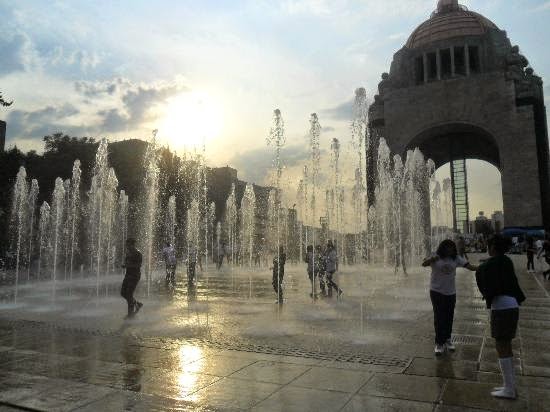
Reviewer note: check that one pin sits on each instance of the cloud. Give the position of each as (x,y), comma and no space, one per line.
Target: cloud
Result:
(38,123)
(125,107)
(101,88)
(15,51)
(327,129)
(542,7)
(137,105)
(343,111)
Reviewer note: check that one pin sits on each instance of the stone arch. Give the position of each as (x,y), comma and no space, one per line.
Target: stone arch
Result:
(446,142)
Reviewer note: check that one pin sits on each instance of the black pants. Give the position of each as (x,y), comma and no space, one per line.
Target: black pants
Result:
(277,283)
(127,290)
(530,261)
(321,276)
(444,312)
(191,269)
(331,284)
(170,274)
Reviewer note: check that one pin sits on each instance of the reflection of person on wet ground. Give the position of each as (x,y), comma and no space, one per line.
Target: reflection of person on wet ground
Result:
(310,265)
(169,255)
(279,273)
(132,264)
(319,267)
(331,257)
(443,291)
(191,263)
(497,282)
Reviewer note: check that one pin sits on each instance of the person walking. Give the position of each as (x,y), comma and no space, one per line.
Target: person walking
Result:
(443,291)
(170,261)
(530,250)
(498,284)
(331,266)
(221,254)
(279,273)
(191,264)
(310,271)
(132,264)
(319,267)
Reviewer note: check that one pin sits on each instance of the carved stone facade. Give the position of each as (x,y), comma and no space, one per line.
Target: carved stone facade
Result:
(458,89)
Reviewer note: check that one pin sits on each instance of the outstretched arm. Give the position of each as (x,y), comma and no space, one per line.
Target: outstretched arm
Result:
(427,262)
(471,267)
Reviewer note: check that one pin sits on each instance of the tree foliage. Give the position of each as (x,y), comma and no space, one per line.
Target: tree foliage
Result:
(3,102)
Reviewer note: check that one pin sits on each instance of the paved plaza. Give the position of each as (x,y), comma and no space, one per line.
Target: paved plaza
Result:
(227,347)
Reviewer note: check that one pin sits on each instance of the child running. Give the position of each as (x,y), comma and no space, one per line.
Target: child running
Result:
(497,282)
(331,267)
(279,274)
(319,267)
(443,291)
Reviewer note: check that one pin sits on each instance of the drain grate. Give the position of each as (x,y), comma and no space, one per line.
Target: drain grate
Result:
(467,340)
(233,343)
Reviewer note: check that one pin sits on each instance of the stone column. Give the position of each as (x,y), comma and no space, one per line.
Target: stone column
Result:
(453,69)
(467,60)
(425,64)
(438,63)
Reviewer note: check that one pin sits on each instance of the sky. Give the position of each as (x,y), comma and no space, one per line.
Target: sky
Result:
(212,72)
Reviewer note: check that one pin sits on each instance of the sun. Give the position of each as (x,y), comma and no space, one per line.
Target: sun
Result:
(191,120)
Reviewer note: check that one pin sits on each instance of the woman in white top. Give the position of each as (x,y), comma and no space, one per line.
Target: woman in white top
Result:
(443,291)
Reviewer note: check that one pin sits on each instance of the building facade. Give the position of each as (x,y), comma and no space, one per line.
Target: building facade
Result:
(459,90)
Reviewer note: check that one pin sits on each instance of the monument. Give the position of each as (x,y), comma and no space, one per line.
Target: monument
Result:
(459,90)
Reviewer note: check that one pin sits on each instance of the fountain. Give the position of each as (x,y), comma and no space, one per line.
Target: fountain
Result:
(231,215)
(149,207)
(248,223)
(57,216)
(43,235)
(19,213)
(32,199)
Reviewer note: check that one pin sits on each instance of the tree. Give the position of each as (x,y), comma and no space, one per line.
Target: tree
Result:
(3,102)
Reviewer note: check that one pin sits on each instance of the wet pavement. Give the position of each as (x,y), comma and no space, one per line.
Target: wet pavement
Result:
(226,346)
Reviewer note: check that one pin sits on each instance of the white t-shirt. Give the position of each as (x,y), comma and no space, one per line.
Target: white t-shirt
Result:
(444,273)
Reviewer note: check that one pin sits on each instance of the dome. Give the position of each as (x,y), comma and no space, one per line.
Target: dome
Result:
(448,21)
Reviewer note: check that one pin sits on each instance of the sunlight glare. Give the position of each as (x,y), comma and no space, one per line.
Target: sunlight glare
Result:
(191,120)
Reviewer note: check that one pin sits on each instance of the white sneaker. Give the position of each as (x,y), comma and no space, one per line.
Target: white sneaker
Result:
(505,393)
(439,350)
(450,346)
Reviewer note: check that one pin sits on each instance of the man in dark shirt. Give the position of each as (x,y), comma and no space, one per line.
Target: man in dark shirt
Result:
(132,264)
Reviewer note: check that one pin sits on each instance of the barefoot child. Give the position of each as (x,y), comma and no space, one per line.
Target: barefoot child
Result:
(443,291)
(497,282)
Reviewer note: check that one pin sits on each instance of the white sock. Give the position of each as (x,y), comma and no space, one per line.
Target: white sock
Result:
(508,373)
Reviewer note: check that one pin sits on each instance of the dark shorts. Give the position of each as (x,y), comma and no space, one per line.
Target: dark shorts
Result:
(504,324)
